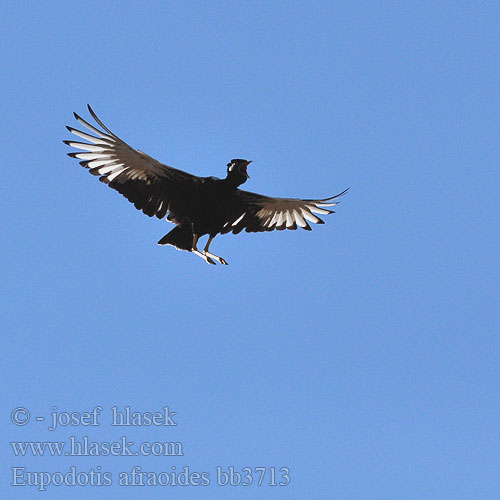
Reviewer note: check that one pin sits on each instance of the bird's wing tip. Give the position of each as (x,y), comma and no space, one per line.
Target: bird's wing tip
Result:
(342,193)
(92,112)
(337,195)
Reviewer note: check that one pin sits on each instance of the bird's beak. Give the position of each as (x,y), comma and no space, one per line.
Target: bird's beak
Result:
(248,163)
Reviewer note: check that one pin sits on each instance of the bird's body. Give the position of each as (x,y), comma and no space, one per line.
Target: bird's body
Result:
(197,205)
(215,201)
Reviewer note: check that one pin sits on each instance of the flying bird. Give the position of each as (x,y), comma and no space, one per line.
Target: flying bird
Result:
(196,205)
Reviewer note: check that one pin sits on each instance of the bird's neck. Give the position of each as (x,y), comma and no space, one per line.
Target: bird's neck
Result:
(235,179)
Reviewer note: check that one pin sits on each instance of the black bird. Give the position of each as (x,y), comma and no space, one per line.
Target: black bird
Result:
(197,205)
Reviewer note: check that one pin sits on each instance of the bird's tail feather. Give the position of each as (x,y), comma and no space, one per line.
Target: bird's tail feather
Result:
(180,237)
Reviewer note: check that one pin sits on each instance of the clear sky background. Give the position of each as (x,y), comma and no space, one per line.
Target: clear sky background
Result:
(364,355)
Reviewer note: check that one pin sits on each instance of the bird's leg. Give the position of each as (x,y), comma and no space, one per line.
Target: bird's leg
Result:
(209,254)
(195,250)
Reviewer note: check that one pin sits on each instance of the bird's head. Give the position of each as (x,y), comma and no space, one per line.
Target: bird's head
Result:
(237,171)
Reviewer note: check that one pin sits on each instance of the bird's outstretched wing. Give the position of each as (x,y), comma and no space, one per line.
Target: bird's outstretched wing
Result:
(151,186)
(255,212)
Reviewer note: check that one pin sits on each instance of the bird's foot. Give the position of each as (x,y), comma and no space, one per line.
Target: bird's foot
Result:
(209,260)
(216,257)
(206,258)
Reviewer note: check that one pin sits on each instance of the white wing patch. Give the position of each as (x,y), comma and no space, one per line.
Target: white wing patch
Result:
(299,219)
(116,173)
(238,219)
(100,156)
(318,210)
(290,213)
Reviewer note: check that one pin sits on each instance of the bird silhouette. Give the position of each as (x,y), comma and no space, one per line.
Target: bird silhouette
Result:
(196,205)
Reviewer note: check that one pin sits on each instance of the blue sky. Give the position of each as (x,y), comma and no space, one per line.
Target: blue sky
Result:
(363,356)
